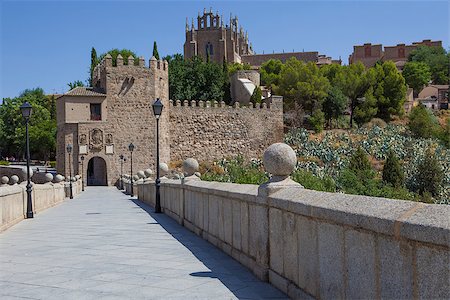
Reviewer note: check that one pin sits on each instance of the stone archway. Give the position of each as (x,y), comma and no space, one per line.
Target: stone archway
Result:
(96,171)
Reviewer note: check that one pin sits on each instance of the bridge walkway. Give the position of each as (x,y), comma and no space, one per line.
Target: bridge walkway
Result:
(105,245)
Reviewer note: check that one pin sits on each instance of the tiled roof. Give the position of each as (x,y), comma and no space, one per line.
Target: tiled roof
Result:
(85,91)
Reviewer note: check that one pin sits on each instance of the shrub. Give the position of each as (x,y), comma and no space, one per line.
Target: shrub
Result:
(256,96)
(4,163)
(429,174)
(360,165)
(317,120)
(392,171)
(309,181)
(422,122)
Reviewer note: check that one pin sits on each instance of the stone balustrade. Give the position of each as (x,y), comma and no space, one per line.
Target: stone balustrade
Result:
(312,244)
(13,197)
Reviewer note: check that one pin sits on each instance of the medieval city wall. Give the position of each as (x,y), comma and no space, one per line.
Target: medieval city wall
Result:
(214,130)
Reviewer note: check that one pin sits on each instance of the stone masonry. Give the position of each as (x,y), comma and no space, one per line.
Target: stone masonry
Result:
(101,121)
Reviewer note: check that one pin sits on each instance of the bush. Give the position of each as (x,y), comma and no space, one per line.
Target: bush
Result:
(309,181)
(256,96)
(317,120)
(392,171)
(423,123)
(4,163)
(53,163)
(360,165)
(429,175)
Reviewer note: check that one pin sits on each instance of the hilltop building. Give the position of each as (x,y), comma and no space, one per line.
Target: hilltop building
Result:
(369,54)
(214,40)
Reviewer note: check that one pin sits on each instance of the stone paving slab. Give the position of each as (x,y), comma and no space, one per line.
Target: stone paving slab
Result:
(105,245)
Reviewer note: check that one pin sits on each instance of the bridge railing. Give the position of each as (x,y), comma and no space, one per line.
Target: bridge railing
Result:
(318,244)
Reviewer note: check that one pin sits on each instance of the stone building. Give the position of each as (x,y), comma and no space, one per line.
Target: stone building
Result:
(213,39)
(369,54)
(101,121)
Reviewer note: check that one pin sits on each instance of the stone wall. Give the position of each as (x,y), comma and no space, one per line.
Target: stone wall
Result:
(13,200)
(313,244)
(214,131)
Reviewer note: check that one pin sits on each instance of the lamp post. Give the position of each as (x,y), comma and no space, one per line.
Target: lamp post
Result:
(157,110)
(26,110)
(121,171)
(69,151)
(82,173)
(131,148)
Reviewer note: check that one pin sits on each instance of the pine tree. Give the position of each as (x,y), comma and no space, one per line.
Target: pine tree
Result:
(392,171)
(429,174)
(155,50)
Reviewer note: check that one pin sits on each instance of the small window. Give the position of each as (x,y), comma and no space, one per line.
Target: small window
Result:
(96,112)
(209,49)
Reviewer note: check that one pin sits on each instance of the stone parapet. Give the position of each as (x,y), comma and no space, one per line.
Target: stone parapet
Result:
(13,201)
(313,244)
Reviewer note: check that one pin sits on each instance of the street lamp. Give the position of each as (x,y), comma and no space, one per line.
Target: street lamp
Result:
(82,173)
(121,171)
(157,110)
(131,148)
(26,110)
(69,150)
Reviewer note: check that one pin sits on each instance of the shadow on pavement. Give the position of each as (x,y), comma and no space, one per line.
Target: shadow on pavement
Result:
(243,285)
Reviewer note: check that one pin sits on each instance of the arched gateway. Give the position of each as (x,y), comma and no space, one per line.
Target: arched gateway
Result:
(96,171)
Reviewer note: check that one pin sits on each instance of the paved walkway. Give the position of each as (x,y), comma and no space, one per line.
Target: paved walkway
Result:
(102,244)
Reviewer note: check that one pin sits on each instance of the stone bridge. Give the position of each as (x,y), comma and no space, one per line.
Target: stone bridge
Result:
(224,240)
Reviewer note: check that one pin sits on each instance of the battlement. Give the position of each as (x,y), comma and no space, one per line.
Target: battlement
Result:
(107,61)
(216,104)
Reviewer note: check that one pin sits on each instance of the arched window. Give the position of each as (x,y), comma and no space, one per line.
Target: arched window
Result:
(209,49)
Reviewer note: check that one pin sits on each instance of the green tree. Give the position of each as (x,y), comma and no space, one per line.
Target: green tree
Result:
(194,79)
(125,53)
(437,59)
(417,75)
(317,120)
(422,122)
(334,104)
(429,174)
(353,82)
(389,90)
(155,50)
(75,84)
(303,85)
(42,126)
(94,62)
(392,171)
(360,164)
(256,96)
(270,72)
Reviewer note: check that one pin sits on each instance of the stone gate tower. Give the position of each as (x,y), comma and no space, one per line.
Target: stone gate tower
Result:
(101,121)
(214,39)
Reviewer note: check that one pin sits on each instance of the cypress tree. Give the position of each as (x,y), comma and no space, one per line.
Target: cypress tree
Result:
(94,62)
(392,171)
(155,50)
(429,174)
(360,165)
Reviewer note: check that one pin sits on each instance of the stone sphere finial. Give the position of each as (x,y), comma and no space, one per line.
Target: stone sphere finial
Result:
(58,178)
(279,160)
(14,179)
(23,172)
(148,173)
(48,177)
(163,169)
(190,166)
(141,174)
(4,180)
(135,178)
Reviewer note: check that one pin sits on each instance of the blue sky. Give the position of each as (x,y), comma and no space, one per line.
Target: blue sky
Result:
(47,43)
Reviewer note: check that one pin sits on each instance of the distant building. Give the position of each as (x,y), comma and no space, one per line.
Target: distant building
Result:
(214,40)
(369,54)
(435,96)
